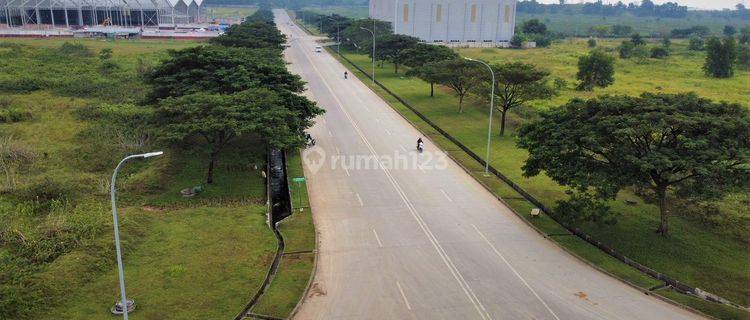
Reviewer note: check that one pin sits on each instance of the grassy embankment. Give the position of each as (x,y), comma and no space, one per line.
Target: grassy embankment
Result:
(296,265)
(707,252)
(185,258)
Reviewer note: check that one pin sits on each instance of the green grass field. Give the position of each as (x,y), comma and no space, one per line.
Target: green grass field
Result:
(712,258)
(185,258)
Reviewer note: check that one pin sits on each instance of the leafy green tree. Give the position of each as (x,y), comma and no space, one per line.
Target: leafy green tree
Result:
(220,118)
(533,26)
(596,69)
(666,42)
(696,44)
(518,40)
(421,54)
(428,73)
(625,49)
(721,57)
(459,75)
(390,47)
(622,30)
(659,52)
(359,39)
(730,30)
(743,57)
(640,54)
(744,37)
(667,143)
(637,40)
(217,69)
(251,35)
(516,84)
(591,43)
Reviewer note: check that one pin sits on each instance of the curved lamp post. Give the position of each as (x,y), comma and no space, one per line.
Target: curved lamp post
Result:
(492,106)
(112,193)
(373,50)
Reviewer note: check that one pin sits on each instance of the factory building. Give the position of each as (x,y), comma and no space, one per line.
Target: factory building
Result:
(475,23)
(73,13)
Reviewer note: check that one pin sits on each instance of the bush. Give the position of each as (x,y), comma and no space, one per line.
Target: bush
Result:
(46,192)
(75,50)
(640,54)
(591,43)
(659,52)
(626,49)
(743,57)
(696,44)
(517,40)
(21,84)
(13,114)
(542,40)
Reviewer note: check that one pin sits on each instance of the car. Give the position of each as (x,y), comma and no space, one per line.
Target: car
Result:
(318,48)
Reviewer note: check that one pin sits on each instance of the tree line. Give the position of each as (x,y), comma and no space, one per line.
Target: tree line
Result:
(237,86)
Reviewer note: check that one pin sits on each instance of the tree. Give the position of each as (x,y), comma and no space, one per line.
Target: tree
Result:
(533,26)
(216,69)
(591,43)
(421,54)
(361,40)
(744,37)
(626,49)
(251,35)
(390,47)
(459,75)
(637,40)
(743,57)
(665,143)
(696,43)
(516,84)
(597,69)
(721,57)
(659,52)
(730,30)
(220,118)
(622,30)
(518,40)
(428,73)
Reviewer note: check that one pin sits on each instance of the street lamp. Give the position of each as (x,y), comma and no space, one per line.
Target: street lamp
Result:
(492,106)
(112,193)
(373,51)
(338,39)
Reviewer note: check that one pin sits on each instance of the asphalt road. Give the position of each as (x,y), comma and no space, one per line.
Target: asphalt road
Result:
(404,235)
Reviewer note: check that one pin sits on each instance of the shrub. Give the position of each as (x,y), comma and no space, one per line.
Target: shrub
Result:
(743,57)
(696,44)
(659,52)
(626,49)
(22,84)
(542,40)
(14,114)
(46,192)
(591,43)
(640,54)
(518,40)
(75,50)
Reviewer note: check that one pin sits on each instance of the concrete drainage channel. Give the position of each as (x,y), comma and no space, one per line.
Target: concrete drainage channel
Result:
(279,207)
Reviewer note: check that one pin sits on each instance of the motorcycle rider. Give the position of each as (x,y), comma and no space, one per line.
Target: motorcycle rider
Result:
(346,75)
(420,144)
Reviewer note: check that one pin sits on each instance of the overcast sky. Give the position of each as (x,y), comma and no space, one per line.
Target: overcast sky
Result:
(704,4)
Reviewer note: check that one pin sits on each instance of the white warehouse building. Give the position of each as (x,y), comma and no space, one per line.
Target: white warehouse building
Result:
(450,22)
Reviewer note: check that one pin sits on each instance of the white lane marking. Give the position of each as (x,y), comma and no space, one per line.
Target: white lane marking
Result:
(359,199)
(497,252)
(329,133)
(380,244)
(412,210)
(420,168)
(388,132)
(402,148)
(446,195)
(347,170)
(406,301)
(337,150)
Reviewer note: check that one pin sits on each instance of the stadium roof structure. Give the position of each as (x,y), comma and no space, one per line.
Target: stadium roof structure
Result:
(129,13)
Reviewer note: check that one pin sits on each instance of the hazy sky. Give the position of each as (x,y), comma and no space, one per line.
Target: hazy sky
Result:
(705,4)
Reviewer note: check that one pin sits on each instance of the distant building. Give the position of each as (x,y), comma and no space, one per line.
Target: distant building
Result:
(477,23)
